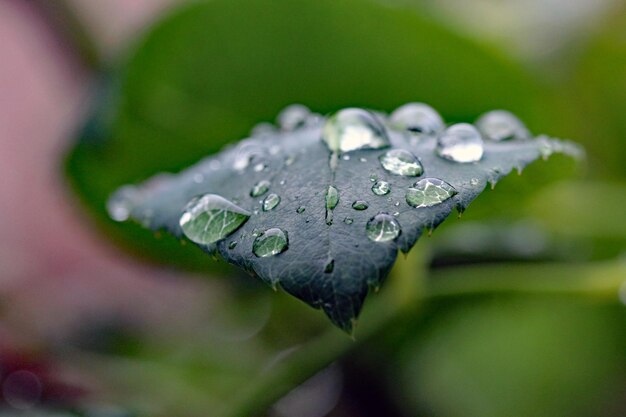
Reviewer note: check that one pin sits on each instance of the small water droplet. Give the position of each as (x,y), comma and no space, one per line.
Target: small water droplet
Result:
(215,164)
(501,125)
(232,245)
(198,178)
(270,202)
(259,167)
(330,266)
(373,177)
(382,228)
(460,143)
(300,209)
(269,243)
(332,199)
(346,157)
(417,117)
(401,162)
(289,160)
(363,159)
(260,188)
(474,181)
(351,129)
(397,203)
(282,182)
(293,117)
(122,202)
(211,218)
(348,220)
(381,188)
(396,213)
(360,205)
(263,129)
(429,192)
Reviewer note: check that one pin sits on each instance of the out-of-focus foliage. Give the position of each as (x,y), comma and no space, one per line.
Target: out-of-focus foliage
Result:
(208,73)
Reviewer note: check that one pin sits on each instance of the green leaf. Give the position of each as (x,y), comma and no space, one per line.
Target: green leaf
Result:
(333,235)
(207,73)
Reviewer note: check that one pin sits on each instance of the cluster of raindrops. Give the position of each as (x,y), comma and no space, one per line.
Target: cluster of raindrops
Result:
(210,218)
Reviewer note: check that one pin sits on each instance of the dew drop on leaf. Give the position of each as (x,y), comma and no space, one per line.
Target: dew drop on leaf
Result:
(121,203)
(348,220)
(260,188)
(418,118)
(293,117)
(460,143)
(381,188)
(360,205)
(269,243)
(270,202)
(501,125)
(429,192)
(382,228)
(332,199)
(401,162)
(351,129)
(211,218)
(300,209)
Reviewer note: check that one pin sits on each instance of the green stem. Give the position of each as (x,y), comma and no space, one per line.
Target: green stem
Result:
(64,18)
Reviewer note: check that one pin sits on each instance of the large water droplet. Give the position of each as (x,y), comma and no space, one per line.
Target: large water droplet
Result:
(122,202)
(293,117)
(429,192)
(501,125)
(352,129)
(270,202)
(381,188)
(211,218)
(269,243)
(382,228)
(260,188)
(360,205)
(401,162)
(417,117)
(460,143)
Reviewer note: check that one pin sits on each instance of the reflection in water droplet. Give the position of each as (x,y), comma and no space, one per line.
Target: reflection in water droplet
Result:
(381,188)
(429,192)
(270,202)
(460,143)
(417,117)
(269,243)
(330,266)
(122,202)
(260,188)
(293,117)
(401,162)
(360,205)
(382,228)
(211,218)
(501,125)
(300,209)
(348,220)
(352,129)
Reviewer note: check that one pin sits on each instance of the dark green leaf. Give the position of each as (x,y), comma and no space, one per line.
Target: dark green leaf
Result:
(343,237)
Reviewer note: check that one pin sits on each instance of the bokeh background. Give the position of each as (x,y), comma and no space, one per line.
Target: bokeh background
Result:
(517,309)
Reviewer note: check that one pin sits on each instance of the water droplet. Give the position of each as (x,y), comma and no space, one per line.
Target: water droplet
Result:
(215,164)
(429,192)
(260,188)
(232,245)
(396,213)
(332,199)
(373,177)
(352,129)
(474,181)
(122,202)
(360,205)
(282,182)
(348,220)
(417,117)
(211,218)
(289,160)
(330,266)
(270,202)
(198,178)
(501,125)
(381,188)
(460,143)
(401,162)
(382,228)
(293,117)
(300,209)
(263,129)
(363,159)
(259,167)
(269,243)
(346,157)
